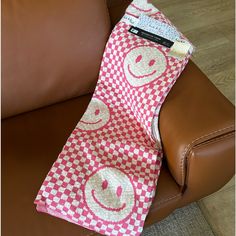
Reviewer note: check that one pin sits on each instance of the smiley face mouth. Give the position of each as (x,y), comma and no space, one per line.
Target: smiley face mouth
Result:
(105,207)
(140,76)
(91,123)
(148,10)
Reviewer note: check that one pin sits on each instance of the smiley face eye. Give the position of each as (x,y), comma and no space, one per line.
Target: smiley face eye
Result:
(151,62)
(138,59)
(119,191)
(97,112)
(104,184)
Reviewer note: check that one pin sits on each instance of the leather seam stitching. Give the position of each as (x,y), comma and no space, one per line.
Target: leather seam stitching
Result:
(90,234)
(214,140)
(205,144)
(188,163)
(168,199)
(188,146)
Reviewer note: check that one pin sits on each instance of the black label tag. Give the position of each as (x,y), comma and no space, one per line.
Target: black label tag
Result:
(150,36)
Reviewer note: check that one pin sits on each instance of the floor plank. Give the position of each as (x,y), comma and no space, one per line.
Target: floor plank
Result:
(209,25)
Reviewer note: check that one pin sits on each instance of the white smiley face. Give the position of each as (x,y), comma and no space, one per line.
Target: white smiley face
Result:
(110,195)
(143,64)
(95,117)
(138,7)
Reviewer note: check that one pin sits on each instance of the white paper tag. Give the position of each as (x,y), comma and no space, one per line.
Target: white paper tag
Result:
(157,27)
(180,49)
(130,20)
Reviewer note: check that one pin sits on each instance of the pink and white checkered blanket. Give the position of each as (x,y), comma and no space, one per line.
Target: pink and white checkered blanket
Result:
(106,174)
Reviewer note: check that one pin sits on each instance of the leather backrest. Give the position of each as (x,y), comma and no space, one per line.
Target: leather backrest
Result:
(117,9)
(51,51)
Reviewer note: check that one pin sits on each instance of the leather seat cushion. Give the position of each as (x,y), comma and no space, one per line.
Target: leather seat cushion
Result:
(30,145)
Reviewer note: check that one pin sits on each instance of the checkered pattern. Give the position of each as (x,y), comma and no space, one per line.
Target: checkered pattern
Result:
(125,142)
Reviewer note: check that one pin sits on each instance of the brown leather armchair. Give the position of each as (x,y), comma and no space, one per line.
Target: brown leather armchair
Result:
(51,56)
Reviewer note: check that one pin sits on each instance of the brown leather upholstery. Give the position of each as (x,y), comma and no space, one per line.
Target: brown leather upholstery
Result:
(117,9)
(195,122)
(49,48)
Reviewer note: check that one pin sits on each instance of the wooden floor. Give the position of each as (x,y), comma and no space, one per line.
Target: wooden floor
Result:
(209,25)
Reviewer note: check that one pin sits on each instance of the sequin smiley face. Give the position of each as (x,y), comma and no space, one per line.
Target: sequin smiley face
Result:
(95,117)
(143,64)
(110,195)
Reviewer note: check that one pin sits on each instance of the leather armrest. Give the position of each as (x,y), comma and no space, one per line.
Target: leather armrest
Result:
(197,130)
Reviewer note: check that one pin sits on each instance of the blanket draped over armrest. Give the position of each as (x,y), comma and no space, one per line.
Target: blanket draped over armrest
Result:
(105,177)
